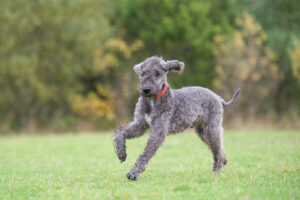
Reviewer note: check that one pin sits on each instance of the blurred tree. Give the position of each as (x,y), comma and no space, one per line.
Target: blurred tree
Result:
(295,58)
(63,59)
(51,61)
(177,29)
(108,64)
(245,61)
(281,21)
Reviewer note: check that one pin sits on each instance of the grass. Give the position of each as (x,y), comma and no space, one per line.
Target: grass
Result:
(261,165)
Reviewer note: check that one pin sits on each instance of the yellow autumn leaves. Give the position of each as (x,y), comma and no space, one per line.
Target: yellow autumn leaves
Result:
(102,102)
(245,61)
(295,59)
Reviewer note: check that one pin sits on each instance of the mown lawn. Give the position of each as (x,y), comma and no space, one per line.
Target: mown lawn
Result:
(261,165)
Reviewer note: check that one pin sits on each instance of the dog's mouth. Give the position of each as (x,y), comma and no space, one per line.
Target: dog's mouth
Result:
(147,95)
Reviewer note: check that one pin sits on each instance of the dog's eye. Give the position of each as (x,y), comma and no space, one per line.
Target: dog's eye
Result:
(157,73)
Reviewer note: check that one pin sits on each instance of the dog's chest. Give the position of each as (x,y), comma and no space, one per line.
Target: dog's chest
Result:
(148,115)
(148,118)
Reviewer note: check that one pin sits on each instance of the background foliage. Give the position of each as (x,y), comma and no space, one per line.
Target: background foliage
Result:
(68,64)
(245,61)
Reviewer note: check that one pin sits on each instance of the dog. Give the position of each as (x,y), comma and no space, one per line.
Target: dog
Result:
(167,111)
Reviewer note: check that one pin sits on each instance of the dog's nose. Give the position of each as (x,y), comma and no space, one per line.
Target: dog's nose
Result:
(146,90)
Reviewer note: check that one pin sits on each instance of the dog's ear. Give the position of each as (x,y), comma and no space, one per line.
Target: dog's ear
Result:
(174,65)
(137,68)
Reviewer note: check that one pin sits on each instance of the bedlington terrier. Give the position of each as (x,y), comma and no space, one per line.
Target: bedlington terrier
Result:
(167,111)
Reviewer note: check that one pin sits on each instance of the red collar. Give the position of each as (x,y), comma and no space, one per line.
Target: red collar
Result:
(162,92)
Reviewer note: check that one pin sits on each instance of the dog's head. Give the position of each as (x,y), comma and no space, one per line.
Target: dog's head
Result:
(153,74)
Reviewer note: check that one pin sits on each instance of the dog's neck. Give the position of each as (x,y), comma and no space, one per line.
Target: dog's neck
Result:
(164,101)
(164,89)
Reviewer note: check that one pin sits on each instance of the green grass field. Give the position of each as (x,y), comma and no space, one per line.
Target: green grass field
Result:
(261,165)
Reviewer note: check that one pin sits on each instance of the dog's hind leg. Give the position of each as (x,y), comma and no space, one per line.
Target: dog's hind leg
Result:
(213,137)
(200,132)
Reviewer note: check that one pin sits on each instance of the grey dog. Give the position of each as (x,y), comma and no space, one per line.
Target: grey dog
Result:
(166,110)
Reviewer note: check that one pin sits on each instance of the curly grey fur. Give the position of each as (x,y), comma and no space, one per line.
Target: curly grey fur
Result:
(175,111)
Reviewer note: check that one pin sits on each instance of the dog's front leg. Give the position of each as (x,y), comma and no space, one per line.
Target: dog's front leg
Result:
(158,133)
(132,130)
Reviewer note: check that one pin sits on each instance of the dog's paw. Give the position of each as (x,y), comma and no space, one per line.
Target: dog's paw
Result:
(122,156)
(121,152)
(218,165)
(132,176)
(216,171)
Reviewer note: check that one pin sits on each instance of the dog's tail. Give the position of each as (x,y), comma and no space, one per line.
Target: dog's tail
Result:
(224,103)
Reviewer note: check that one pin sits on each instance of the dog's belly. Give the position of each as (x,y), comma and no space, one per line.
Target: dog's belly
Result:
(180,123)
